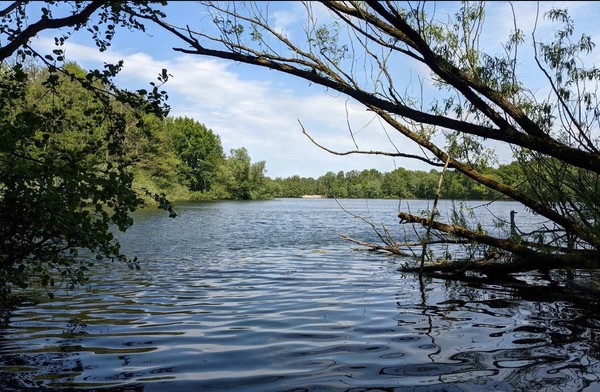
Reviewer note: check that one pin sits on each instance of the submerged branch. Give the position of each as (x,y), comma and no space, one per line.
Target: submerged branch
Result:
(494,269)
(523,258)
(393,248)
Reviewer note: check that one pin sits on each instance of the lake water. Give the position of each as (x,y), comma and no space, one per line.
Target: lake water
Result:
(264,296)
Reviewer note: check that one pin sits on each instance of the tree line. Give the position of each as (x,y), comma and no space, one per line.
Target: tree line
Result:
(399,183)
(184,159)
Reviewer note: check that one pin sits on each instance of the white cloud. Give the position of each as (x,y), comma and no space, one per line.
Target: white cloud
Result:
(259,115)
(283,20)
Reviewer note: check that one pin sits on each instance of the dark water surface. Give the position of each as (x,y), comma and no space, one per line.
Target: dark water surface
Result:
(263,296)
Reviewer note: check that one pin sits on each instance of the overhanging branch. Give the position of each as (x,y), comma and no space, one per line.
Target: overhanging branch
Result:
(573,156)
(48,24)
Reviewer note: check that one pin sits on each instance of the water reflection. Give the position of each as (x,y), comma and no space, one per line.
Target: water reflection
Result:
(486,337)
(301,313)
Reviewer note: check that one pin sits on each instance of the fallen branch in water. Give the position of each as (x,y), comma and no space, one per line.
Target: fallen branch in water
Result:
(493,268)
(471,235)
(458,266)
(394,247)
(523,257)
(503,256)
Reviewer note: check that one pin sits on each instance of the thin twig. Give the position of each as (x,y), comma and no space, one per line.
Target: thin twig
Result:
(432,216)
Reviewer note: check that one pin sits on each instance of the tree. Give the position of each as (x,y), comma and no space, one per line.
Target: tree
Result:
(397,184)
(335,185)
(65,174)
(479,99)
(244,180)
(200,150)
(155,161)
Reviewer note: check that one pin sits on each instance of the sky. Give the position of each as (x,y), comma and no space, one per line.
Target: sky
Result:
(262,110)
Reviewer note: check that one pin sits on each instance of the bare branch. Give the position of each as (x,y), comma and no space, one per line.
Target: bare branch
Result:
(386,248)
(361,152)
(48,24)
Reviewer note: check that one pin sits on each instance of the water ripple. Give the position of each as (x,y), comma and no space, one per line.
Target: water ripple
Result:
(288,311)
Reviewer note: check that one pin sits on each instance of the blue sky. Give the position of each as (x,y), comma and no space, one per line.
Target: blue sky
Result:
(259,109)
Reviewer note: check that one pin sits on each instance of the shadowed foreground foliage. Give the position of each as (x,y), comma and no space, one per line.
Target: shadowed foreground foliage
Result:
(65,175)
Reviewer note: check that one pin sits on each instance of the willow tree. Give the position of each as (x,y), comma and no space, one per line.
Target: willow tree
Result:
(360,51)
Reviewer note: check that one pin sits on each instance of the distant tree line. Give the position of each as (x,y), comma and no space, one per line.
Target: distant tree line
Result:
(184,159)
(400,183)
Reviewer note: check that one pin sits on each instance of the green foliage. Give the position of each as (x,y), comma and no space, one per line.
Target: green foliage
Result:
(184,159)
(200,151)
(65,177)
(326,42)
(244,180)
(150,147)
(399,183)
